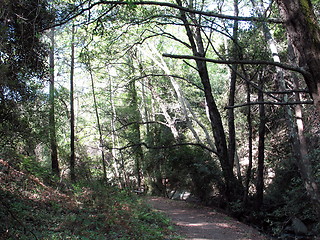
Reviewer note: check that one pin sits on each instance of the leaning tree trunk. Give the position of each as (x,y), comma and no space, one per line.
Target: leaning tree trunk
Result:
(304,34)
(186,107)
(179,93)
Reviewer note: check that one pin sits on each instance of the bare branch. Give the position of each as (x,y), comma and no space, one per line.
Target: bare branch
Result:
(185,9)
(140,123)
(165,147)
(170,75)
(288,91)
(268,103)
(78,10)
(250,62)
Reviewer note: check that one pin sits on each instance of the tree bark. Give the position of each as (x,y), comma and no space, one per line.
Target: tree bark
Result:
(232,89)
(118,167)
(298,141)
(179,93)
(304,34)
(135,118)
(300,148)
(138,152)
(52,122)
(261,147)
(72,128)
(194,35)
(249,168)
(95,105)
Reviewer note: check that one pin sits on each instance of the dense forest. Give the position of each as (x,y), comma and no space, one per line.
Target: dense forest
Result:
(219,99)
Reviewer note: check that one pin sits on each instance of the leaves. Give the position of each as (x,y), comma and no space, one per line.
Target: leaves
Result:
(88,212)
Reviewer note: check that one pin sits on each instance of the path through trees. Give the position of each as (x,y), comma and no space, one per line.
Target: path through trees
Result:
(197,222)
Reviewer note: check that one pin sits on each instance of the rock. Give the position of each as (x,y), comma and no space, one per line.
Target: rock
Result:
(193,199)
(299,227)
(179,195)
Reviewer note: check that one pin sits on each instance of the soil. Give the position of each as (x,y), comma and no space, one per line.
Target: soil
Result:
(195,222)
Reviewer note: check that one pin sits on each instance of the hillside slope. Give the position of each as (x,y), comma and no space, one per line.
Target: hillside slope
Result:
(31,209)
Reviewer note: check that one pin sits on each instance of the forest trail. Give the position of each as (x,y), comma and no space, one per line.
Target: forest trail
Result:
(203,223)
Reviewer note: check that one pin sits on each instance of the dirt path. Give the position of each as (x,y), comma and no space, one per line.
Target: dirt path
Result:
(201,223)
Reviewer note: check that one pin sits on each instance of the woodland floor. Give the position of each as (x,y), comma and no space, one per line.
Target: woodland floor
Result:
(202,223)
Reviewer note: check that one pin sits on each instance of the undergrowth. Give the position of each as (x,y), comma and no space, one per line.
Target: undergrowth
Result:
(32,210)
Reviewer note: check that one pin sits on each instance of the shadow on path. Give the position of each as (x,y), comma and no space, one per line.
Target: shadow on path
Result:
(202,223)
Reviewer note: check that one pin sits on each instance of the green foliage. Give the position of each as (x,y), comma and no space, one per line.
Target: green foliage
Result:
(287,198)
(23,126)
(123,214)
(90,211)
(23,65)
(32,166)
(314,156)
(125,90)
(184,168)
(23,53)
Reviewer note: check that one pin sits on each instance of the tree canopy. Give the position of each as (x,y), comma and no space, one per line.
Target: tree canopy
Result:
(216,98)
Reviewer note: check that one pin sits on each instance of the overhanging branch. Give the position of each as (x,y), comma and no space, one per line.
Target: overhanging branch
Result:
(249,62)
(165,147)
(141,123)
(185,9)
(268,103)
(81,8)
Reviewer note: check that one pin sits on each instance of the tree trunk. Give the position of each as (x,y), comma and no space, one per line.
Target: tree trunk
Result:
(304,34)
(95,105)
(72,129)
(179,93)
(135,118)
(170,121)
(288,116)
(296,135)
(136,135)
(232,186)
(262,130)
(249,168)
(145,115)
(118,167)
(232,89)
(185,105)
(52,122)
(300,148)
(304,164)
